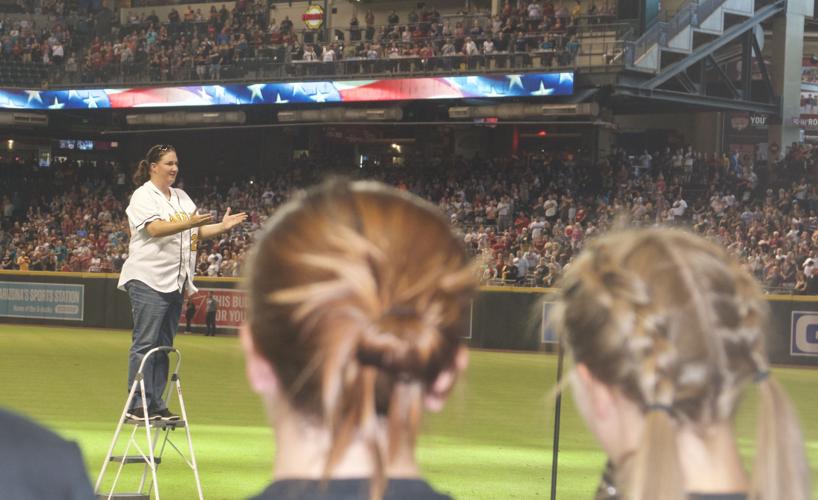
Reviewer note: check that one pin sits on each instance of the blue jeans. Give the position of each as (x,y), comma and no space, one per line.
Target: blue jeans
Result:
(155,321)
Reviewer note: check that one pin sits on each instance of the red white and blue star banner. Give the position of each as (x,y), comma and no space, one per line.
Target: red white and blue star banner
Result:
(398,89)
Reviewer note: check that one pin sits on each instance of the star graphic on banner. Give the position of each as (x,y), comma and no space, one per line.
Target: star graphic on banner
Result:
(218,90)
(319,96)
(72,94)
(279,100)
(91,101)
(57,104)
(542,91)
(34,94)
(298,89)
(493,93)
(256,91)
(8,102)
(566,77)
(204,95)
(515,80)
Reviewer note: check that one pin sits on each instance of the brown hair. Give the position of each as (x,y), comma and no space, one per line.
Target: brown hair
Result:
(677,325)
(358,298)
(143,168)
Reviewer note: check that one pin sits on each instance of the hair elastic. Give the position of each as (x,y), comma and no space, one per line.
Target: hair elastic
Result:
(660,407)
(761,376)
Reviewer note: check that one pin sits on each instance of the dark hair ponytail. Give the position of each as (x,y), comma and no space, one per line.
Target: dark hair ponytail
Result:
(142,173)
(154,154)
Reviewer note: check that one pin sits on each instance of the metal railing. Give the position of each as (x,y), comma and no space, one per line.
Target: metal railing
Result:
(588,56)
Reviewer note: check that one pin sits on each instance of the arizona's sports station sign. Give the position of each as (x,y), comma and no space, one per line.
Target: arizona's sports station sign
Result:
(314,17)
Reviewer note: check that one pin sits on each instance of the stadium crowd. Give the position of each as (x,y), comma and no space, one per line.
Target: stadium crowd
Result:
(92,46)
(524,218)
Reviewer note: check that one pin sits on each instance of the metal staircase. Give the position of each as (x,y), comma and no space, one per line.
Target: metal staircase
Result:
(685,59)
(694,20)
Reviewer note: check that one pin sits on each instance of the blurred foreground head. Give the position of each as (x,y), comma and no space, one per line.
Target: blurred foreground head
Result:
(666,331)
(358,300)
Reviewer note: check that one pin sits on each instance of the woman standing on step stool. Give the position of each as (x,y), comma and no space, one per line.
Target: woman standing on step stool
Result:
(165,229)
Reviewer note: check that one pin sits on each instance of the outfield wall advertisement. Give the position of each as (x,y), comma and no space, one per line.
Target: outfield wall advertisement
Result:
(499,317)
(230,313)
(42,300)
(804,333)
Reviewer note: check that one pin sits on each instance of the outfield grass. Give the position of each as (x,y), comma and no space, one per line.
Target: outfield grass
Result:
(492,441)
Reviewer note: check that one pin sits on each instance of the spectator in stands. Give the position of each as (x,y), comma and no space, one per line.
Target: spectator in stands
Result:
(328,54)
(667,333)
(309,54)
(393,19)
(576,11)
(286,25)
(23,262)
(488,46)
(369,20)
(354,29)
(562,14)
(366,359)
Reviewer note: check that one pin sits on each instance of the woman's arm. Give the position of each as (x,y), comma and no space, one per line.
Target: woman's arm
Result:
(159,228)
(229,221)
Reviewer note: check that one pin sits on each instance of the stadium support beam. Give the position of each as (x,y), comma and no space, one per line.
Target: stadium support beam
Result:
(787,53)
(723,76)
(703,102)
(762,66)
(747,66)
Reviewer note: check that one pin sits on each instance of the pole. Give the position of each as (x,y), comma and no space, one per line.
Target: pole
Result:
(326,22)
(556,444)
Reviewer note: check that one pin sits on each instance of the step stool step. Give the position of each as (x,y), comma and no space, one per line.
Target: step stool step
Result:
(134,459)
(123,496)
(161,424)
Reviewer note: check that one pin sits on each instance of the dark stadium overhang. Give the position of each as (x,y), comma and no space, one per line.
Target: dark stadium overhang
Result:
(705,103)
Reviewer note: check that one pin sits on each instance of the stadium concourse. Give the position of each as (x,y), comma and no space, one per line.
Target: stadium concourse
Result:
(536,127)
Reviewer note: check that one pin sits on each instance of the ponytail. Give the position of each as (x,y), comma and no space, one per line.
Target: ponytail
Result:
(383,371)
(780,471)
(654,472)
(142,173)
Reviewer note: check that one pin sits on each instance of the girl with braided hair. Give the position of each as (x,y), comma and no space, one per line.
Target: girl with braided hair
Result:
(358,296)
(667,332)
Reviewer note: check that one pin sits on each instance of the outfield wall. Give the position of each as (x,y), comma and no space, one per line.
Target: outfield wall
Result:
(500,317)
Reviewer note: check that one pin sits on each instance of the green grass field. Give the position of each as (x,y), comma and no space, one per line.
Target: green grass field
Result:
(492,441)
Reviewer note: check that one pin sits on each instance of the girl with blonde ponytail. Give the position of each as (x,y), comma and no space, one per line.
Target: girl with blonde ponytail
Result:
(358,295)
(667,332)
